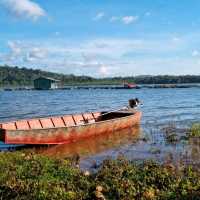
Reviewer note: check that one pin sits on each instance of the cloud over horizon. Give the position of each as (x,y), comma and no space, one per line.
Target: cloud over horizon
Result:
(103,57)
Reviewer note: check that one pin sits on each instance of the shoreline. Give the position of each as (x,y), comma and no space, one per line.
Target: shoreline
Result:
(115,87)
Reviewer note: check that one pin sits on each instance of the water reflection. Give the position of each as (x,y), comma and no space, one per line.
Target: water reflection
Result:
(94,145)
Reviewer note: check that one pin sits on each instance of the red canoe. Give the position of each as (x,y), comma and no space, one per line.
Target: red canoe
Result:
(68,128)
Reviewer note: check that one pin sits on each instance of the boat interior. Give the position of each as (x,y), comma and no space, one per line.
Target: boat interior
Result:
(113,115)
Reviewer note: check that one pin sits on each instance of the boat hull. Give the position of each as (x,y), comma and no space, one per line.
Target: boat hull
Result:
(63,135)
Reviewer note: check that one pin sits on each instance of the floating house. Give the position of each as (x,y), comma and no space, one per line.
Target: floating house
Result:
(46,83)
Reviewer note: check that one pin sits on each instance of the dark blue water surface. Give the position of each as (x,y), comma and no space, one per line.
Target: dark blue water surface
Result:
(160,107)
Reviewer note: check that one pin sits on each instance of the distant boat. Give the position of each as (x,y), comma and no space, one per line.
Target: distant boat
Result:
(131,86)
(67,128)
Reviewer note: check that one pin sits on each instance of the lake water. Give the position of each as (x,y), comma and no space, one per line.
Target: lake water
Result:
(161,108)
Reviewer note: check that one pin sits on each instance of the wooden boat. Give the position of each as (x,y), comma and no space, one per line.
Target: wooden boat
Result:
(68,128)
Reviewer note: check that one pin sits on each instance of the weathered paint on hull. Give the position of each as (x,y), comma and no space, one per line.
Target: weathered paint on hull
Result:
(69,134)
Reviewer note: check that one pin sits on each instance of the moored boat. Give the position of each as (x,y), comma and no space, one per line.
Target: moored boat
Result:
(67,128)
(131,86)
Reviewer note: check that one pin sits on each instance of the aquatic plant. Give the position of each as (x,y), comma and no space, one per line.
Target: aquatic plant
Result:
(125,180)
(170,134)
(154,150)
(31,176)
(171,138)
(195,130)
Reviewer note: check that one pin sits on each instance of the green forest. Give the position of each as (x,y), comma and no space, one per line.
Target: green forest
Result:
(16,76)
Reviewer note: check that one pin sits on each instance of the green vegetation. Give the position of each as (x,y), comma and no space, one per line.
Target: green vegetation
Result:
(15,76)
(171,138)
(154,150)
(28,176)
(195,130)
(31,176)
(170,135)
(174,135)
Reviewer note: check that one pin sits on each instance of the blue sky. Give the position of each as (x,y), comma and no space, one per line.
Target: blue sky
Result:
(102,38)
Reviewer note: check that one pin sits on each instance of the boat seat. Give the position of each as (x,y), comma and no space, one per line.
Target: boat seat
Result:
(96,115)
(35,124)
(79,119)
(47,123)
(88,118)
(22,125)
(69,121)
(58,122)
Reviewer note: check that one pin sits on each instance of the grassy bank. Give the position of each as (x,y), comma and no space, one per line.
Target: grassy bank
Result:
(30,176)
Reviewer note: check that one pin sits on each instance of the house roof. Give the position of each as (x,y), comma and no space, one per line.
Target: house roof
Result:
(47,78)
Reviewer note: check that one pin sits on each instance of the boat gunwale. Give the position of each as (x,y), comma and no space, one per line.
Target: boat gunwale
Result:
(75,126)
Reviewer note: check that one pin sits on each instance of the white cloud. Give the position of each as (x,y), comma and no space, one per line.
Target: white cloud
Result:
(114,19)
(103,70)
(125,19)
(14,47)
(36,54)
(24,9)
(105,56)
(129,19)
(195,53)
(88,57)
(20,51)
(14,51)
(99,16)
(176,39)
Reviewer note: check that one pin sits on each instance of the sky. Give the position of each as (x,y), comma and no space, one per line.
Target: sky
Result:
(102,38)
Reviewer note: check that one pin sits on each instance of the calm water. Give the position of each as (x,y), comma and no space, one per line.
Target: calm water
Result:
(160,108)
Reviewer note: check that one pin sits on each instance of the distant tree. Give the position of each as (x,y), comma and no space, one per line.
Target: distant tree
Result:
(16,76)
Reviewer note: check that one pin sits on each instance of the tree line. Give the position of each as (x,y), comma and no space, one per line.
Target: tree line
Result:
(16,76)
